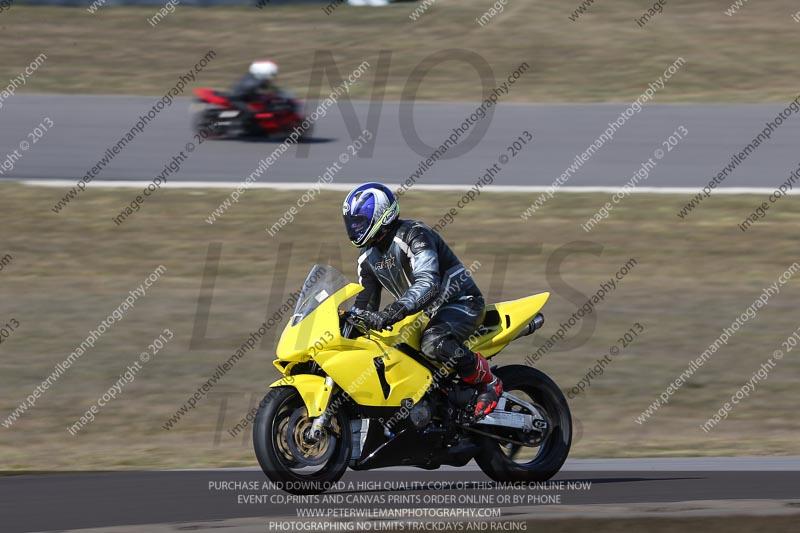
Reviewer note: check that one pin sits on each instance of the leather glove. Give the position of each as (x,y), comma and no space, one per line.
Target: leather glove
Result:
(394,312)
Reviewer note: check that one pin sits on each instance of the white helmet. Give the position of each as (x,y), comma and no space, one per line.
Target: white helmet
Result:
(263,70)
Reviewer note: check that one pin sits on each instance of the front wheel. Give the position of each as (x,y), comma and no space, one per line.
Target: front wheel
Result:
(287,457)
(509,462)
(205,125)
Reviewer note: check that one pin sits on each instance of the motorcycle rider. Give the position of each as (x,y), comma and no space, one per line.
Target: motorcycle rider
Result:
(420,270)
(258,82)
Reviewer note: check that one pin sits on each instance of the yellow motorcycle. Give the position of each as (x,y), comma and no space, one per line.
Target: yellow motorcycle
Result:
(370,399)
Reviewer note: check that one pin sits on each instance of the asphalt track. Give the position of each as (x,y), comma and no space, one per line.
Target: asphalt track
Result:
(85,126)
(68,501)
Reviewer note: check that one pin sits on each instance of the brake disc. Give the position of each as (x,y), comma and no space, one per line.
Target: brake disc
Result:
(304,452)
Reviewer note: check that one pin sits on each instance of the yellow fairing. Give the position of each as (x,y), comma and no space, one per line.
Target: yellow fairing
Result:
(371,371)
(322,325)
(514,316)
(350,362)
(407,331)
(354,369)
(311,388)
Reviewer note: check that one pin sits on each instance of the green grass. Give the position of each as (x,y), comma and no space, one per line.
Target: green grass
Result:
(69,271)
(603,56)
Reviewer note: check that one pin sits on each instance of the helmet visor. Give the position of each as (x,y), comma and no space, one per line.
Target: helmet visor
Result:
(357,226)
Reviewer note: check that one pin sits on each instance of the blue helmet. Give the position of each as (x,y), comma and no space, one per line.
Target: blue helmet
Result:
(367,209)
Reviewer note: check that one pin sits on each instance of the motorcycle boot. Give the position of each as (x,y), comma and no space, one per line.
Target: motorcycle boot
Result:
(490,388)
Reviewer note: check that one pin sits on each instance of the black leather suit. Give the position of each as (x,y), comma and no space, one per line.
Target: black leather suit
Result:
(421,271)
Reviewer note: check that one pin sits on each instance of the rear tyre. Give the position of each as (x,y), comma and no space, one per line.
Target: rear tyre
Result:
(294,464)
(308,134)
(499,461)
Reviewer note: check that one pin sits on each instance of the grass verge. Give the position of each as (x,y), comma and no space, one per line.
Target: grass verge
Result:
(602,56)
(691,279)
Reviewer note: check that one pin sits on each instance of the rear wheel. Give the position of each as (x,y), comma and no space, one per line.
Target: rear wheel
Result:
(287,457)
(508,462)
(308,134)
(304,136)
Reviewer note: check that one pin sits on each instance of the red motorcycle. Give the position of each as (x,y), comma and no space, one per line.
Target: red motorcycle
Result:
(272,115)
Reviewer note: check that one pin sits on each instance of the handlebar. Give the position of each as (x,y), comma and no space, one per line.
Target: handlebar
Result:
(357,318)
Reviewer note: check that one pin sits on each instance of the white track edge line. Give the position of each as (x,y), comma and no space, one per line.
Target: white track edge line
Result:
(300,186)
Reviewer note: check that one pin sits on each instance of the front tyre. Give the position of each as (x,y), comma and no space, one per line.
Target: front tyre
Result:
(295,464)
(509,462)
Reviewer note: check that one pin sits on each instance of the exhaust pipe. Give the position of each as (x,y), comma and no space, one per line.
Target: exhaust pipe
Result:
(533,325)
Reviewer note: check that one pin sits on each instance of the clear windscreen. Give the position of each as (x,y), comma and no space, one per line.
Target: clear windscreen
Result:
(322,282)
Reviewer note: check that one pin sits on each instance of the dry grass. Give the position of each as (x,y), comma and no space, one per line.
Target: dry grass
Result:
(603,56)
(693,278)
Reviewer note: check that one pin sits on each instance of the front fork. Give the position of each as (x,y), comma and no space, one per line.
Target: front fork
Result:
(322,421)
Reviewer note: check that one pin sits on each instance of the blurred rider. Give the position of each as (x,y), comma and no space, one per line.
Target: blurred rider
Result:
(256,84)
(418,268)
